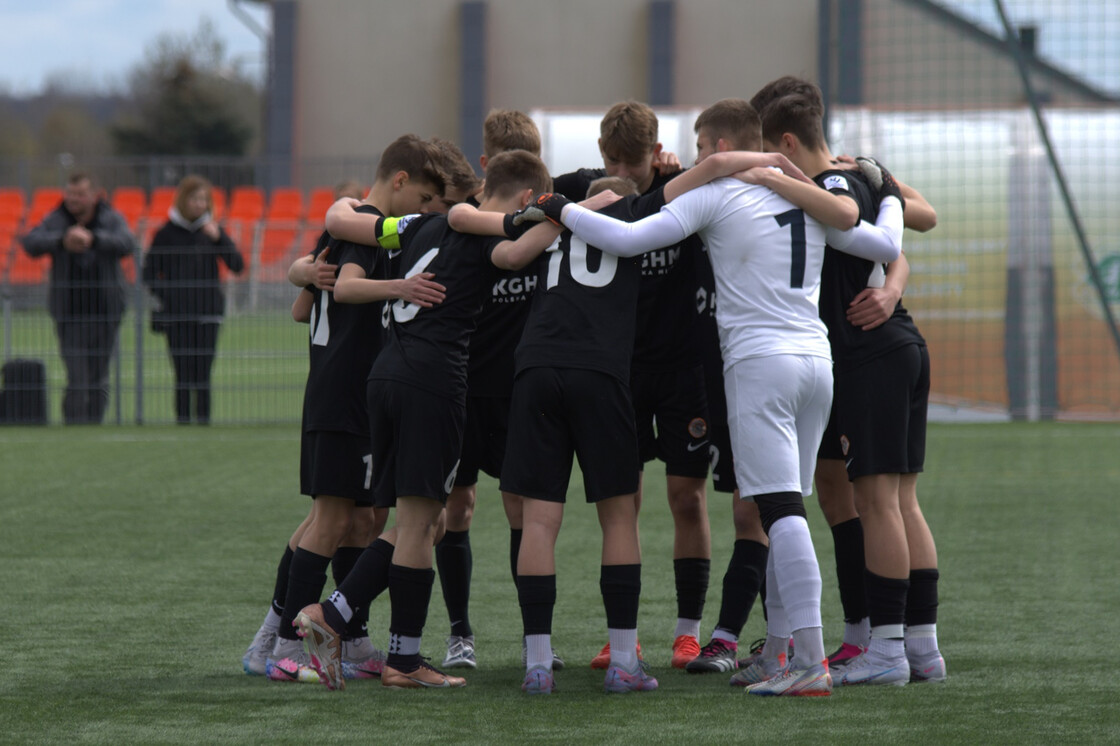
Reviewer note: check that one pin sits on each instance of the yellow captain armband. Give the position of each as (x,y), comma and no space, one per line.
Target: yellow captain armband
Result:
(387,232)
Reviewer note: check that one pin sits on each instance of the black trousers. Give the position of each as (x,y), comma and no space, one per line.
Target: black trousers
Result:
(87,347)
(192,345)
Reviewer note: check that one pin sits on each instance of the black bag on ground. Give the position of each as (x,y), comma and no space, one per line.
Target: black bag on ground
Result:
(23,400)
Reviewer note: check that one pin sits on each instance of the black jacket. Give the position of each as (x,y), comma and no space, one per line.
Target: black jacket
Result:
(89,284)
(181,269)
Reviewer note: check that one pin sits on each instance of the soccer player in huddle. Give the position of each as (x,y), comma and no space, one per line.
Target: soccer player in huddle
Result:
(571,398)
(879,415)
(335,467)
(416,395)
(767,254)
(667,381)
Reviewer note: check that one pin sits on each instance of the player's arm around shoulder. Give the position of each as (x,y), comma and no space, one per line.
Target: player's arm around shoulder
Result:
(728,163)
(832,210)
(469,219)
(519,253)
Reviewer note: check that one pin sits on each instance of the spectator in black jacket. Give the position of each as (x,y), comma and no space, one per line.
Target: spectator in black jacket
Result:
(86,240)
(181,269)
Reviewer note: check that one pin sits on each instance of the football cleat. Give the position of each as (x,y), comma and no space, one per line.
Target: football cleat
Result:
(619,680)
(685,650)
(928,669)
(256,657)
(717,656)
(806,682)
(323,645)
(460,652)
(603,660)
(759,671)
(538,680)
(361,660)
(872,669)
(425,676)
(295,668)
(844,655)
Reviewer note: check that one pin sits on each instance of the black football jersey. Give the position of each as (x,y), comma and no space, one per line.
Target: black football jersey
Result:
(707,336)
(345,338)
(844,276)
(429,347)
(490,369)
(584,312)
(665,335)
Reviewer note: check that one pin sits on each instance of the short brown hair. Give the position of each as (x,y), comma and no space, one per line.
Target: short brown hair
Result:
(784,86)
(620,185)
(510,172)
(455,166)
(628,131)
(733,120)
(797,115)
(509,129)
(190,184)
(417,158)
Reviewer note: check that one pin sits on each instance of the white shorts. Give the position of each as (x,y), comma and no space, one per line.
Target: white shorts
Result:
(777,409)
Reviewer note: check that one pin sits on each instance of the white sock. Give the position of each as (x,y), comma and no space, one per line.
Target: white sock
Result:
(339,602)
(921,640)
(776,649)
(538,651)
(858,634)
(777,623)
(886,641)
(624,648)
(799,582)
(722,634)
(402,645)
(689,627)
(271,620)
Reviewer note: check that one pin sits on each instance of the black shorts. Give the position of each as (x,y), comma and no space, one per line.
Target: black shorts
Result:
(416,438)
(558,412)
(721,458)
(484,438)
(674,404)
(336,464)
(881,407)
(830,447)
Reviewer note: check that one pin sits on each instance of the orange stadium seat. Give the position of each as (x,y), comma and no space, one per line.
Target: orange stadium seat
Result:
(132,203)
(321,200)
(218,197)
(282,228)
(43,200)
(23,270)
(13,204)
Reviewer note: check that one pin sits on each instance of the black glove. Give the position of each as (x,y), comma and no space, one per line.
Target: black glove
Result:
(547,205)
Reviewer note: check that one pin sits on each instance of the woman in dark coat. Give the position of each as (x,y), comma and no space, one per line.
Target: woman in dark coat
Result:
(181,269)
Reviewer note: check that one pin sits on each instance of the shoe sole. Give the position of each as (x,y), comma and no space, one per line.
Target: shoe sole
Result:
(317,638)
(414,684)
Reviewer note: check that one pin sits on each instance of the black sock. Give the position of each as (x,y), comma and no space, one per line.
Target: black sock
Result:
(537,596)
(621,585)
(921,601)
(745,574)
(691,575)
(514,550)
(365,582)
(343,562)
(454,561)
(847,540)
(280,591)
(410,592)
(305,586)
(886,599)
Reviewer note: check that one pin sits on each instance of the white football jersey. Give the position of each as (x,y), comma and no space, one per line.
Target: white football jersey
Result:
(766,255)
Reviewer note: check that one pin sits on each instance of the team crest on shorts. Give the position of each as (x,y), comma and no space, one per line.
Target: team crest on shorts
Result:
(845,444)
(698,428)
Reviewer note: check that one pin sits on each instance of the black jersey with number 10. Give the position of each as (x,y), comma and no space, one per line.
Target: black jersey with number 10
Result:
(584,312)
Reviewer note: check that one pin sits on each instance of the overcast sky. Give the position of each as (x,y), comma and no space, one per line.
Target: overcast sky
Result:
(97,41)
